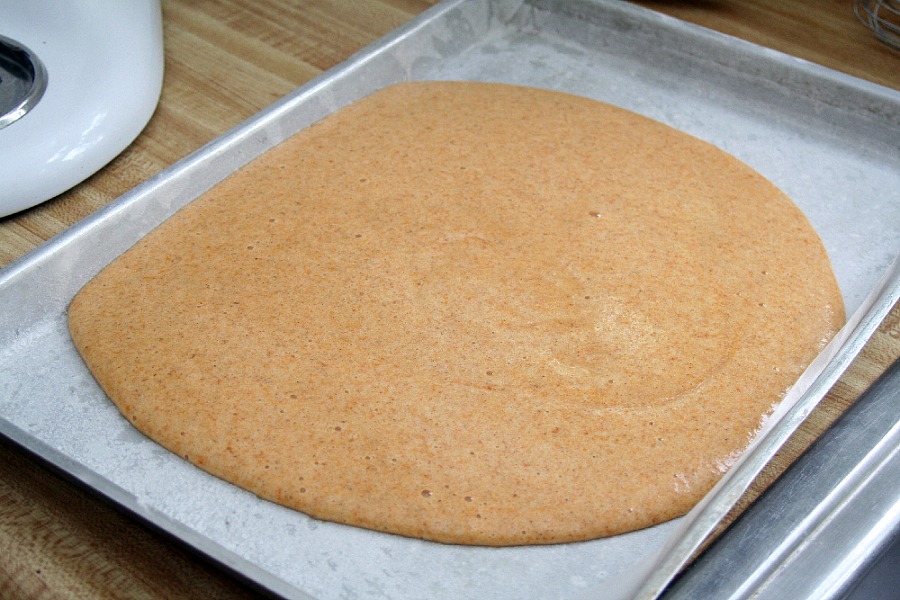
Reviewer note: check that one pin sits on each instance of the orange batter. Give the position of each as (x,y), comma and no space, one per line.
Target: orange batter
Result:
(471,313)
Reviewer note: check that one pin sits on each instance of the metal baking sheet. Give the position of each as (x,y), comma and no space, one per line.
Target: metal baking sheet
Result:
(828,140)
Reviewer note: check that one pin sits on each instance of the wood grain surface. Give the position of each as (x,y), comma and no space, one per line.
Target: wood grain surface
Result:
(224,61)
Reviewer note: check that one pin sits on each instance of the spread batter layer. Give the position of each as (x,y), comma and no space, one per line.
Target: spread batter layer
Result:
(471,313)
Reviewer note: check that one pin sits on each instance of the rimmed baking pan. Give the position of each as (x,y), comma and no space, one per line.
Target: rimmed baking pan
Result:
(828,140)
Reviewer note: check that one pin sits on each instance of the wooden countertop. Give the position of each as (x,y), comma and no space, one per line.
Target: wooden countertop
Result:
(226,60)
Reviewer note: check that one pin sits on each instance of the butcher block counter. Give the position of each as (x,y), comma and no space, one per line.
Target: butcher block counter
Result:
(224,61)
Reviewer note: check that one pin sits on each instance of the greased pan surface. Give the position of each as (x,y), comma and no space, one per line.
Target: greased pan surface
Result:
(827,140)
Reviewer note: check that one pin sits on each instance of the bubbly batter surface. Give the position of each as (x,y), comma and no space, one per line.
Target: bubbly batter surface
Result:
(472,313)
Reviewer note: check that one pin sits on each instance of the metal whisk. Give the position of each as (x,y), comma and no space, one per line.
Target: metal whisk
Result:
(882,17)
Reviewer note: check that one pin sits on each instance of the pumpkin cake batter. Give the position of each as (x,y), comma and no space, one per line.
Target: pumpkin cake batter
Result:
(471,313)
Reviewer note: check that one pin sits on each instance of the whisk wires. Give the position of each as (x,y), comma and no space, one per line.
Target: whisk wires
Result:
(882,17)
